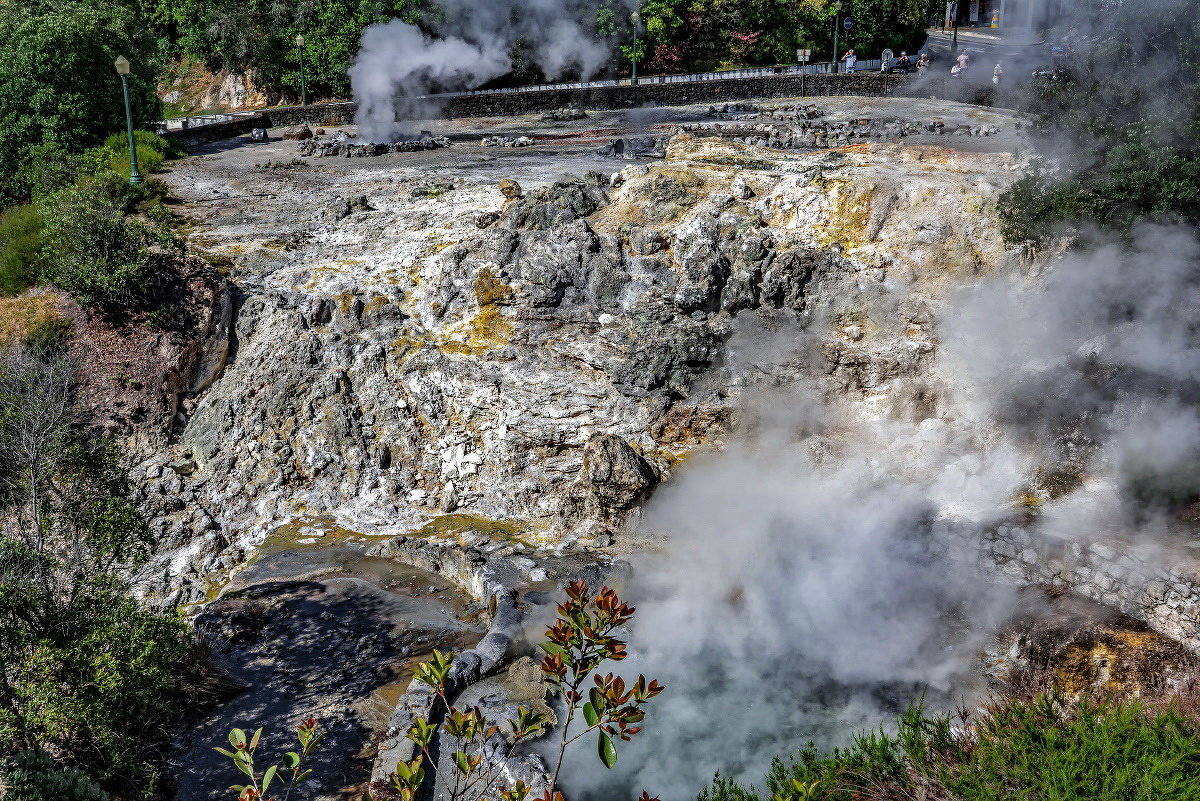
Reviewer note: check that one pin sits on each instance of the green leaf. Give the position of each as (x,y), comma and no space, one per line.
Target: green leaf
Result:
(244,768)
(461,762)
(606,750)
(303,775)
(291,760)
(268,776)
(551,648)
(223,752)
(589,714)
(254,740)
(237,738)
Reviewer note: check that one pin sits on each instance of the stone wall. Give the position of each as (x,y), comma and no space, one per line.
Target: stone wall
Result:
(1152,583)
(599,98)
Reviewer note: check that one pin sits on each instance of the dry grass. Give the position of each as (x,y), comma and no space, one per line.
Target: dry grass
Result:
(20,315)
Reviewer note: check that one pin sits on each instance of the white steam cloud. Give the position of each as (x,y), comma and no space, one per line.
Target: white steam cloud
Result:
(801,596)
(471,43)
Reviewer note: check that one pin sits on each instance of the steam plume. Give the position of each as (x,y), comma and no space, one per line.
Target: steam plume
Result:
(471,44)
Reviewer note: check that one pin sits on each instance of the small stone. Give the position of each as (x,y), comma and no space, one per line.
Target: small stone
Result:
(646,241)
(258,135)
(486,218)
(183,467)
(510,189)
(319,132)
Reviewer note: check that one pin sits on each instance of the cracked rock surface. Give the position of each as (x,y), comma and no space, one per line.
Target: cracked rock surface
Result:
(549,354)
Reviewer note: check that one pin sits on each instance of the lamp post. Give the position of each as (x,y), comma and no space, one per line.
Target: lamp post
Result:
(837,11)
(953,20)
(636,19)
(300,48)
(122,65)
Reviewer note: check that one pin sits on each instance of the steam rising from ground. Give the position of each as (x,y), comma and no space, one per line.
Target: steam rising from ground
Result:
(471,44)
(801,596)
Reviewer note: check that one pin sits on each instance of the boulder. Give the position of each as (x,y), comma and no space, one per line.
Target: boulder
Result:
(646,241)
(298,133)
(740,189)
(614,478)
(258,135)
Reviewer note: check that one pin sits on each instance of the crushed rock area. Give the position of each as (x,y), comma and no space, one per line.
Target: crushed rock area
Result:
(472,330)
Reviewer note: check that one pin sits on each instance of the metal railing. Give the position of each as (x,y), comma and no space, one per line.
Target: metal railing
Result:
(822,68)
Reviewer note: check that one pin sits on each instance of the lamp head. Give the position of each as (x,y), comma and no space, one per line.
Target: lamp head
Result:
(299,40)
(122,65)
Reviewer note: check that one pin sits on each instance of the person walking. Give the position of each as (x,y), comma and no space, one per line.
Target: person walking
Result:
(849,60)
(963,61)
(996,73)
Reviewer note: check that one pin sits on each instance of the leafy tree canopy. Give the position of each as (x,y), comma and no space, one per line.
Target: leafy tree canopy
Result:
(57,81)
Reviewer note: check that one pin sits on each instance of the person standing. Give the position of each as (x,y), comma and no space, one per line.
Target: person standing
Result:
(963,61)
(904,63)
(922,63)
(996,73)
(849,60)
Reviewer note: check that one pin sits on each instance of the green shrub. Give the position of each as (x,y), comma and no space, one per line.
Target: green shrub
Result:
(33,776)
(150,152)
(20,249)
(1019,751)
(95,253)
(49,337)
(1107,751)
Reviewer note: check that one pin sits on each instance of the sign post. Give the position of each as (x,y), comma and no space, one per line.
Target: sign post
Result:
(803,56)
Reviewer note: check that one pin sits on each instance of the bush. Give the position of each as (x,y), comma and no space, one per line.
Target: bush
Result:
(48,338)
(152,151)
(1047,748)
(20,249)
(33,776)
(96,254)
(88,673)
(1119,157)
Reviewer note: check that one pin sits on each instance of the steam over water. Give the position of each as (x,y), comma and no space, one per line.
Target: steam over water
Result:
(799,596)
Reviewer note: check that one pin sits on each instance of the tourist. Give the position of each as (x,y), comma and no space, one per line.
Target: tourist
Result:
(904,63)
(996,73)
(963,61)
(849,60)
(922,63)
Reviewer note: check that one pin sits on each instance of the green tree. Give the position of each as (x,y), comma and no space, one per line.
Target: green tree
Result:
(88,673)
(1119,121)
(57,82)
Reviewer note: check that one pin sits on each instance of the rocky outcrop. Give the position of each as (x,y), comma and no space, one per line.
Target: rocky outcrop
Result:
(396,361)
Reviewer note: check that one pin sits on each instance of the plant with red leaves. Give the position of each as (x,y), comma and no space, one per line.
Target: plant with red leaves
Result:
(578,643)
(293,771)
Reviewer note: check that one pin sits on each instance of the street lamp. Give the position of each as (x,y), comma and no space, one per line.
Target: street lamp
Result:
(636,19)
(837,10)
(122,65)
(954,35)
(300,47)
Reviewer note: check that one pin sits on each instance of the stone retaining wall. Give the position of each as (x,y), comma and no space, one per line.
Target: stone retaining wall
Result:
(599,98)
(1153,584)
